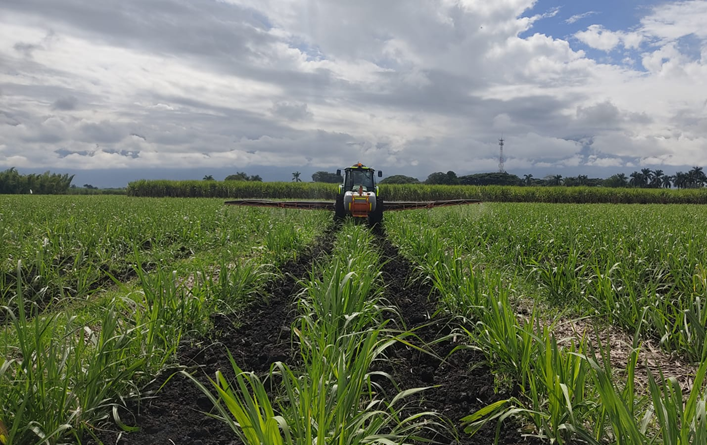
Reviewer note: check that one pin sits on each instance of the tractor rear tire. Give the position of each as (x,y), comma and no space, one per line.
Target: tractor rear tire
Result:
(376,216)
(339,210)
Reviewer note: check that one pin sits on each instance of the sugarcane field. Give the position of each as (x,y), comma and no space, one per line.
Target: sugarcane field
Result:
(138,320)
(353,222)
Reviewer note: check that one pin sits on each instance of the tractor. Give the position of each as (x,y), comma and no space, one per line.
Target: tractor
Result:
(358,197)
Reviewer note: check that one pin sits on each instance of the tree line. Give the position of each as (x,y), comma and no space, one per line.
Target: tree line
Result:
(239,176)
(645,178)
(47,183)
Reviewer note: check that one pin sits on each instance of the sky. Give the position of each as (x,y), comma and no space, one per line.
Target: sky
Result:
(118,90)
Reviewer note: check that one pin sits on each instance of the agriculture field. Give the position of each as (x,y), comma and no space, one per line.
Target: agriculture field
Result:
(67,247)
(73,342)
(128,319)
(629,265)
(418,192)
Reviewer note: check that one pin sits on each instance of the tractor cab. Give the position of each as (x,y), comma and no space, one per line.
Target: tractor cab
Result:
(358,195)
(359,178)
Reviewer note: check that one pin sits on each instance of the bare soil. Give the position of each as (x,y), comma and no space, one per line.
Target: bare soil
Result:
(462,382)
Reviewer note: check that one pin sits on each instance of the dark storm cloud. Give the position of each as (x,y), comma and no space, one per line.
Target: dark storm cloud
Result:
(691,120)
(541,112)
(216,120)
(65,103)
(178,27)
(443,93)
(55,97)
(607,116)
(226,38)
(453,95)
(602,114)
(43,134)
(8,118)
(26,48)
(103,132)
(291,111)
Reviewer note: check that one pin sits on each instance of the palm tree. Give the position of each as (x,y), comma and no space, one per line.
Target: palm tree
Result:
(556,180)
(582,179)
(647,177)
(696,177)
(667,181)
(528,179)
(657,179)
(295,177)
(636,179)
(680,180)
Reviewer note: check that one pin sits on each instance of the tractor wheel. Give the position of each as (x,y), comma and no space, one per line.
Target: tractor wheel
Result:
(339,210)
(376,216)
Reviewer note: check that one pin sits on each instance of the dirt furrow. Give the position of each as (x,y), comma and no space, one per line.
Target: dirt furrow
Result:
(462,381)
(174,414)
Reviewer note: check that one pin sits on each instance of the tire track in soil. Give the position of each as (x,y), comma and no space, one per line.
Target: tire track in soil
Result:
(466,382)
(175,414)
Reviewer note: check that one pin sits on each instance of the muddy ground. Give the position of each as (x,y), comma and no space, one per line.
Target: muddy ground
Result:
(174,414)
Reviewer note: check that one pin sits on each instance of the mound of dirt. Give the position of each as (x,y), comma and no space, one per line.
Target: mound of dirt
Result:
(462,382)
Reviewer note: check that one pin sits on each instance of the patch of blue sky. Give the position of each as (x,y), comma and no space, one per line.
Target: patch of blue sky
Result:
(313,52)
(578,15)
(387,63)
(691,46)
(263,19)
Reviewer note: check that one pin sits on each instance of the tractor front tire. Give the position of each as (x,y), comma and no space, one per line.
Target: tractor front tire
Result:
(339,210)
(376,216)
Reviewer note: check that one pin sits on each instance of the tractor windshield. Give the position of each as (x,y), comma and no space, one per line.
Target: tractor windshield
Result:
(358,178)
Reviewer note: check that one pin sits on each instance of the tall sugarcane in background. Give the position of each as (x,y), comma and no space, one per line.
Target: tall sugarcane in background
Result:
(358,197)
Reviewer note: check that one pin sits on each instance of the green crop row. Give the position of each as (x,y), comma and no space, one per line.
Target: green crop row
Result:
(66,369)
(622,263)
(332,397)
(70,246)
(416,192)
(569,393)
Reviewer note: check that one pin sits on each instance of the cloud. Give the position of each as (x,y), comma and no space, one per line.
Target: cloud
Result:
(598,37)
(125,153)
(101,132)
(673,20)
(667,55)
(666,24)
(26,48)
(179,84)
(577,17)
(291,111)
(63,152)
(65,103)
(601,114)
